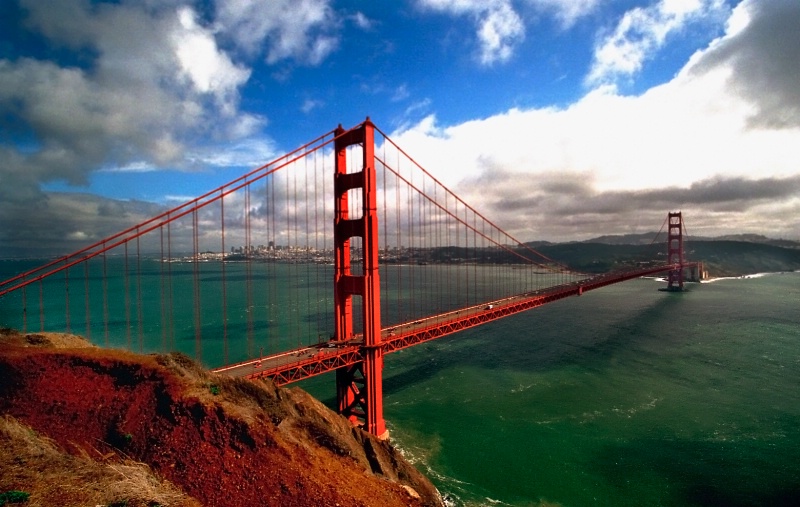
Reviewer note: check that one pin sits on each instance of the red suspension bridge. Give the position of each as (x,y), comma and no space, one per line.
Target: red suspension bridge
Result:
(240,277)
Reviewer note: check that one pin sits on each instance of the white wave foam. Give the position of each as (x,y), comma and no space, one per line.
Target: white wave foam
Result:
(746,277)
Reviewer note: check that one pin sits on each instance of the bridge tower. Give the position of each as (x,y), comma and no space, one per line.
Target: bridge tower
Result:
(359,388)
(675,250)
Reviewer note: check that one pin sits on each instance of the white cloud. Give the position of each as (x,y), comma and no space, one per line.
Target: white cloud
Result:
(208,69)
(171,198)
(642,32)
(155,79)
(499,28)
(145,83)
(760,49)
(283,29)
(133,167)
(77,236)
(249,153)
(609,160)
(400,93)
(311,104)
(362,21)
(567,11)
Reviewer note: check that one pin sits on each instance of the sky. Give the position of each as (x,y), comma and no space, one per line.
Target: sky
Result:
(559,120)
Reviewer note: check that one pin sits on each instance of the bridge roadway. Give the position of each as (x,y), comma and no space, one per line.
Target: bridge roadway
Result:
(304,362)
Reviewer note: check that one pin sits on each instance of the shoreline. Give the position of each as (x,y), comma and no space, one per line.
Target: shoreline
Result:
(748,276)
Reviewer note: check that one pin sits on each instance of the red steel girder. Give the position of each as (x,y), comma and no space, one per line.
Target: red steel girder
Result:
(324,360)
(438,328)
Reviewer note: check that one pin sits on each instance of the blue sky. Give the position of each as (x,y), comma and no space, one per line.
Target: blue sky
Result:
(559,119)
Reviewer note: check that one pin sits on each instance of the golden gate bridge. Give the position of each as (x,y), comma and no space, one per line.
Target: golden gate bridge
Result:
(243,273)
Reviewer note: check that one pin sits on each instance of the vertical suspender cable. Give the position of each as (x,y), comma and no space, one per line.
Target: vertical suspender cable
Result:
(170,302)
(198,352)
(438,247)
(398,242)
(327,223)
(105,297)
(66,298)
(321,282)
(286,309)
(127,287)
(162,290)
(385,223)
(477,296)
(467,254)
(449,245)
(25,309)
(306,257)
(317,287)
(272,338)
(224,279)
(86,299)
(248,272)
(457,250)
(248,277)
(412,246)
(295,322)
(139,312)
(486,279)
(41,307)
(423,244)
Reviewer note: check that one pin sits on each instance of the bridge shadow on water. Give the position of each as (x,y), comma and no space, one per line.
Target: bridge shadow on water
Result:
(700,473)
(545,338)
(591,339)
(540,340)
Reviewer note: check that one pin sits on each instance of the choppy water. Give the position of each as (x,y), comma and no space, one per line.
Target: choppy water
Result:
(623,396)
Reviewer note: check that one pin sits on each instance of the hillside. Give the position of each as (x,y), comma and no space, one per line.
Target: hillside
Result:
(648,238)
(720,257)
(89,426)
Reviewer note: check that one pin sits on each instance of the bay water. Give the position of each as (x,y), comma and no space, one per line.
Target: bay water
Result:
(622,396)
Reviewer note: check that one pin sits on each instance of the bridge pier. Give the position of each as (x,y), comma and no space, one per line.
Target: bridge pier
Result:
(697,273)
(360,387)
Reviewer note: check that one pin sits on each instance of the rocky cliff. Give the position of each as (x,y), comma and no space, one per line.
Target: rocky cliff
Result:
(90,426)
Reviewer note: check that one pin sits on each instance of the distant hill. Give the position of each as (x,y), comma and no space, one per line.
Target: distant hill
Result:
(647,238)
(721,257)
(644,238)
(735,258)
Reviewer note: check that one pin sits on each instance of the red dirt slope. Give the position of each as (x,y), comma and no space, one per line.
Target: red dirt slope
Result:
(223,441)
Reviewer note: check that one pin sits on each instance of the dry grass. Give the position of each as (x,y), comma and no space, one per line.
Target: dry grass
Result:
(242,398)
(44,339)
(34,464)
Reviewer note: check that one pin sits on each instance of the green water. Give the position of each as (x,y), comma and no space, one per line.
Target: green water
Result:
(623,396)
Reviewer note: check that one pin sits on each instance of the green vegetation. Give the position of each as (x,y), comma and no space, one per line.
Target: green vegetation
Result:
(13,496)
(720,258)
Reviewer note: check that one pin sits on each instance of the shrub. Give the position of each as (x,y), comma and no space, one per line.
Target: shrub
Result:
(13,496)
